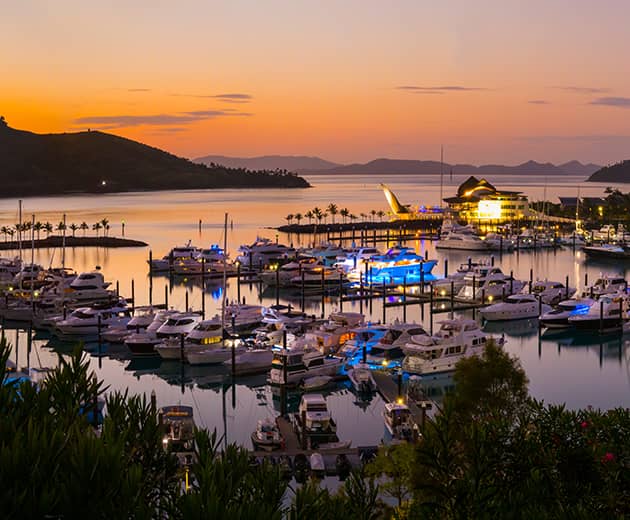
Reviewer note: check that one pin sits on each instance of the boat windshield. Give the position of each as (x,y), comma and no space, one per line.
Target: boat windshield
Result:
(316,407)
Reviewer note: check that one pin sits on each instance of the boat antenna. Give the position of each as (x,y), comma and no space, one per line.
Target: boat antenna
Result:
(441,173)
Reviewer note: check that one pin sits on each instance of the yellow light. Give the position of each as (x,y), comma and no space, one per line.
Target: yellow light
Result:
(400,400)
(490,298)
(384,363)
(442,292)
(489,209)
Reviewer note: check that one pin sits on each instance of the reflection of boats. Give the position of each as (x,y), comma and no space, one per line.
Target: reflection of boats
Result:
(455,340)
(213,354)
(515,307)
(515,328)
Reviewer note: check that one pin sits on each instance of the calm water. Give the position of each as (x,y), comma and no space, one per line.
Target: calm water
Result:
(578,372)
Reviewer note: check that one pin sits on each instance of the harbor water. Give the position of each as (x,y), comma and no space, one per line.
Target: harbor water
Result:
(577,370)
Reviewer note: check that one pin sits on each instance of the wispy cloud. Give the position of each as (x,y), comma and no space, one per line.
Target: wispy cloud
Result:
(182,118)
(583,90)
(592,138)
(619,102)
(138,90)
(417,89)
(230,97)
(538,102)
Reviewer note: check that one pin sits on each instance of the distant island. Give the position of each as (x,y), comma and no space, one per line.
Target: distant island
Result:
(97,162)
(619,172)
(318,166)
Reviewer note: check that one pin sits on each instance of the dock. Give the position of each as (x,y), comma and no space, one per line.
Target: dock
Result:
(388,390)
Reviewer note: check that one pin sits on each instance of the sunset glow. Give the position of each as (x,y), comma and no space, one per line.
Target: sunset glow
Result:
(348,81)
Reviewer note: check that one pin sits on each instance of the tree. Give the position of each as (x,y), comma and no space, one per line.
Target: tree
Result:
(373,213)
(380,214)
(318,214)
(105,226)
(38,227)
(309,215)
(298,217)
(96,227)
(289,218)
(84,227)
(363,216)
(48,228)
(61,226)
(74,228)
(395,463)
(332,211)
(344,212)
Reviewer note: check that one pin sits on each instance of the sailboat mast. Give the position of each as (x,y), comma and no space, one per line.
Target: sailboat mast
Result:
(63,244)
(577,210)
(441,173)
(224,271)
(19,229)
(32,257)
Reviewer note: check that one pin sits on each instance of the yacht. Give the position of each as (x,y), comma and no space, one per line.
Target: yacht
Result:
(251,361)
(201,337)
(143,343)
(178,324)
(456,280)
(361,378)
(281,275)
(362,338)
(354,258)
(489,283)
(608,312)
(142,318)
(551,292)
(242,318)
(606,285)
(463,239)
(262,253)
(84,321)
(89,286)
(282,315)
(389,348)
(558,318)
(291,366)
(393,266)
(326,254)
(335,332)
(267,435)
(515,307)
(177,253)
(216,353)
(28,275)
(318,276)
(179,432)
(455,340)
(313,414)
(399,423)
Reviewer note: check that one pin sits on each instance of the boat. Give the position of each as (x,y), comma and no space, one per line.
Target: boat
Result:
(142,318)
(281,275)
(283,316)
(489,283)
(318,467)
(606,284)
(399,423)
(204,334)
(262,253)
(165,263)
(209,261)
(354,258)
(610,251)
(515,307)
(87,322)
(572,240)
(461,238)
(178,324)
(251,361)
(179,432)
(550,292)
(455,281)
(318,276)
(326,254)
(608,312)
(455,340)
(398,264)
(267,435)
(214,354)
(313,414)
(334,332)
(389,349)
(89,287)
(362,338)
(242,318)
(143,343)
(361,378)
(293,365)
(558,318)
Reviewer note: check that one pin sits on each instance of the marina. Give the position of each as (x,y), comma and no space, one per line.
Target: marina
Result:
(233,405)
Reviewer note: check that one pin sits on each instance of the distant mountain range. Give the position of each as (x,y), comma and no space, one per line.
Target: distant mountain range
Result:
(297,163)
(619,172)
(315,165)
(92,161)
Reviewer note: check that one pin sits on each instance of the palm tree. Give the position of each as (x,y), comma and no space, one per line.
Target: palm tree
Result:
(61,226)
(332,210)
(298,217)
(380,214)
(289,218)
(74,228)
(11,232)
(96,227)
(344,212)
(317,213)
(5,231)
(38,227)
(105,224)
(48,228)
(363,216)
(84,226)
(352,217)
(309,215)
(373,213)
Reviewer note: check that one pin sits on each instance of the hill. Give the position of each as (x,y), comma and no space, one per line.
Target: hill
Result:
(619,172)
(409,167)
(294,163)
(51,164)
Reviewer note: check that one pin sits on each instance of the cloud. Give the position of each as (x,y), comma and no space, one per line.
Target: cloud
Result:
(620,102)
(231,97)
(415,89)
(138,90)
(538,102)
(183,118)
(592,138)
(583,90)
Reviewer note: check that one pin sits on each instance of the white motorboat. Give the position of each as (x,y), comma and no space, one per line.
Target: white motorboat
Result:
(605,284)
(394,266)
(318,467)
(558,318)
(361,378)
(456,280)
(318,276)
(142,318)
(253,361)
(267,435)
(179,428)
(608,312)
(572,240)
(28,274)
(281,275)
(353,258)
(293,365)
(282,315)
(550,292)
(201,337)
(362,338)
(492,284)
(314,415)
(217,353)
(335,332)
(262,253)
(515,307)
(178,324)
(455,340)
(177,253)
(399,423)
(84,322)
(242,317)
(389,348)
(325,253)
(462,238)
(143,343)
(89,287)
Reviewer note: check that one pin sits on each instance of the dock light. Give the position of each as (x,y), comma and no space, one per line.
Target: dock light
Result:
(36,294)
(442,292)
(165,441)
(399,400)
(103,183)
(10,289)
(384,363)
(490,298)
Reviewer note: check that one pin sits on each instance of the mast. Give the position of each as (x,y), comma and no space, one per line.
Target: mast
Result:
(441,173)
(577,210)
(32,258)
(19,230)
(224,272)
(63,244)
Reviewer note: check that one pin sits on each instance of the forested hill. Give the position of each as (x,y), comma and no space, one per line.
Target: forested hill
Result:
(92,161)
(619,172)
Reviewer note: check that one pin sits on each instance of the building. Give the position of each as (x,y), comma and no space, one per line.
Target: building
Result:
(479,201)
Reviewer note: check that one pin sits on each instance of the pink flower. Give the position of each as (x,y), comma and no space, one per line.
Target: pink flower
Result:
(584,424)
(608,457)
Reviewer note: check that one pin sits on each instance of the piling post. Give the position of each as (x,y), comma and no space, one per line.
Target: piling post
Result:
(340,292)
(566,287)
(421,276)
(302,290)
(323,294)
(452,298)
(431,312)
(445,267)
(370,292)
(586,281)
(98,334)
(186,301)
(384,303)
(601,316)
(361,294)
(511,283)
(117,289)
(277,286)
(238,281)
(166,296)
(491,260)
(181,347)
(405,298)
(399,384)
(133,296)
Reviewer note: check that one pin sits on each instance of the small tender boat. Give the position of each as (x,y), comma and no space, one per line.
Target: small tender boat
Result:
(361,377)
(398,422)
(177,253)
(267,435)
(318,467)
(292,365)
(608,312)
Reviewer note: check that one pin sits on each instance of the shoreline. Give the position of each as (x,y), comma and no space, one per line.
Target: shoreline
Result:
(57,241)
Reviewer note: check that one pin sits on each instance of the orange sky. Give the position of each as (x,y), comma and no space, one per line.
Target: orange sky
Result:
(544,80)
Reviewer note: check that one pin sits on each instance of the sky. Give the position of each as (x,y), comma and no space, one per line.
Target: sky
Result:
(493,81)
